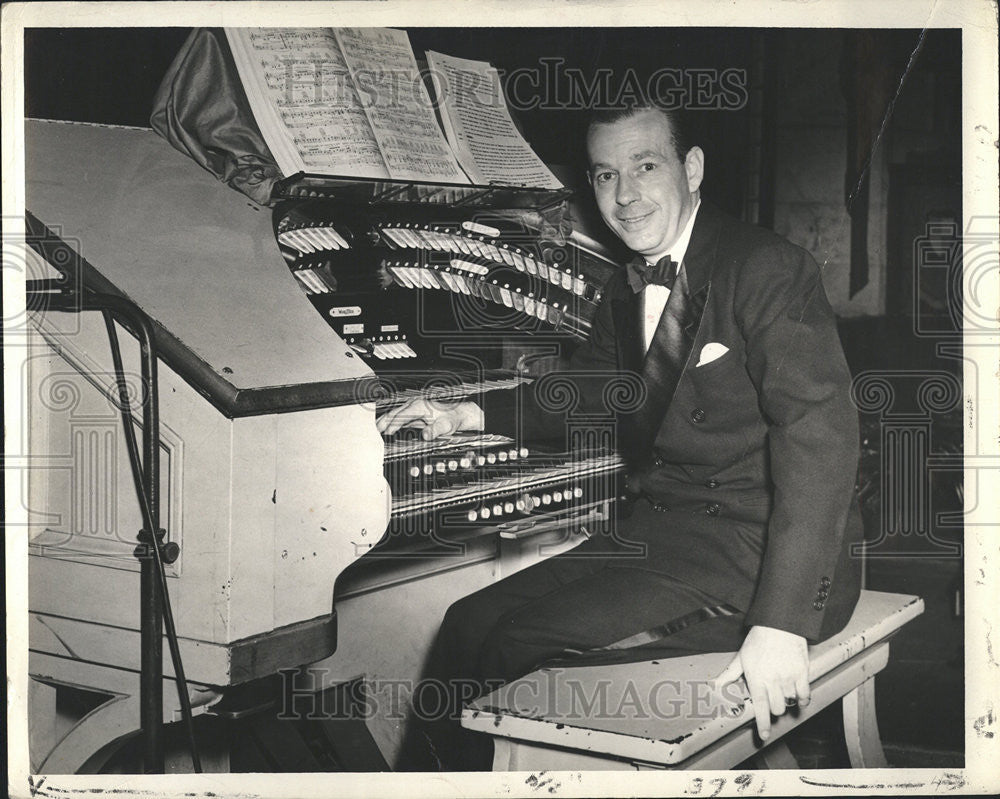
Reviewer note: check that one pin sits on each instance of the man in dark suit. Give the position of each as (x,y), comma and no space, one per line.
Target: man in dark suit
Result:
(742,452)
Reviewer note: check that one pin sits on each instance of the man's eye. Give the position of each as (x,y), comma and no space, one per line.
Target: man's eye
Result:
(603,177)
(648,166)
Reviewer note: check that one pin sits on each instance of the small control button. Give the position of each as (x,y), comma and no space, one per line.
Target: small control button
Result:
(697,416)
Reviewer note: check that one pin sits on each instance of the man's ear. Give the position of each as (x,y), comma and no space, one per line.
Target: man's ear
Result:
(694,166)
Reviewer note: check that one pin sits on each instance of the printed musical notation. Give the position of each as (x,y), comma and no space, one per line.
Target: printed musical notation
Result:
(398,106)
(479,126)
(346,101)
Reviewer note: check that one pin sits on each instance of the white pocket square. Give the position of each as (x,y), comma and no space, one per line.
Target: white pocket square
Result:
(711,352)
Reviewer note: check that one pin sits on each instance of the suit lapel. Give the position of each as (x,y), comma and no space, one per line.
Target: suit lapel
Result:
(627,314)
(670,350)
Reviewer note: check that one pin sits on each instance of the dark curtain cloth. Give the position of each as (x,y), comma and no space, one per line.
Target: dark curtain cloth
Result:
(868,79)
(202,110)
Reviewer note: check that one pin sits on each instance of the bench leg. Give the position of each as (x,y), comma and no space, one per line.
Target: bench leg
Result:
(776,756)
(864,746)
(503,754)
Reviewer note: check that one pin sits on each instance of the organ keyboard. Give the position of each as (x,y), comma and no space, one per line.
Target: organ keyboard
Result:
(471,479)
(407,277)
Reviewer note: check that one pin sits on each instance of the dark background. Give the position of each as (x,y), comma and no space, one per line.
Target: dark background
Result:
(110,75)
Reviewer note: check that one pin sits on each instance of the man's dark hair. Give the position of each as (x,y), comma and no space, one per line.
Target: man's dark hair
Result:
(679,134)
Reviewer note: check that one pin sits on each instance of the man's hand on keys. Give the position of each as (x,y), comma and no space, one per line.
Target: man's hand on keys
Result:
(434,418)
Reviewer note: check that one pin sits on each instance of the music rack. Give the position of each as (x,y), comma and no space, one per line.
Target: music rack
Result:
(368,191)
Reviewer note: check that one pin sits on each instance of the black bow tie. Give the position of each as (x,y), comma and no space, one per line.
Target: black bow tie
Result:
(662,273)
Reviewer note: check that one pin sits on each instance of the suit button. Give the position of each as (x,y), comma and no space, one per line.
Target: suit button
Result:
(822,594)
(713,509)
(697,416)
(818,604)
(658,462)
(825,582)
(659,507)
(713,483)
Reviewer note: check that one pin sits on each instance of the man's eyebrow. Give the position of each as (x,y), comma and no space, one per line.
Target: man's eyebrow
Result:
(646,154)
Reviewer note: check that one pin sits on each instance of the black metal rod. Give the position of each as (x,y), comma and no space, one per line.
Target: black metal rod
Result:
(154,597)
(147,488)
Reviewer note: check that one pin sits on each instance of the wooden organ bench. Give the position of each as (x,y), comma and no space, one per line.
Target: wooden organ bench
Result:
(666,714)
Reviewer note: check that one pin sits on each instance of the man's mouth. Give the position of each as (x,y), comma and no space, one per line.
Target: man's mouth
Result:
(634,220)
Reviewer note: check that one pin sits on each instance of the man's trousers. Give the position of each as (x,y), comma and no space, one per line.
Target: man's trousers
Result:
(589,606)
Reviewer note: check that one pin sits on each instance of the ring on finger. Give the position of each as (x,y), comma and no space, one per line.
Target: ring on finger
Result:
(791,701)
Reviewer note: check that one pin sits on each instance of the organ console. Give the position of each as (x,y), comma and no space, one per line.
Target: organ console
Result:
(306,541)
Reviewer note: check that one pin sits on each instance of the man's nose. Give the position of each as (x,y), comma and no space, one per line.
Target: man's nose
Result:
(627,192)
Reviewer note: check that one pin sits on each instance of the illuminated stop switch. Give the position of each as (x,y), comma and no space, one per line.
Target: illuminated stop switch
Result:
(508,507)
(439,467)
(428,468)
(452,465)
(512,454)
(535,501)
(480,460)
(577,492)
(521,505)
(498,510)
(546,499)
(472,516)
(502,457)
(557,496)
(466,462)
(484,513)
(524,452)
(491,457)
(414,471)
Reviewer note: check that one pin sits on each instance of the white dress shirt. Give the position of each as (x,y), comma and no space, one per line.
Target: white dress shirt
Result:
(654,298)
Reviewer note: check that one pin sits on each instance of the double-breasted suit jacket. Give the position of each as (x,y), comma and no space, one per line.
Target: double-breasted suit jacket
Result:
(745,465)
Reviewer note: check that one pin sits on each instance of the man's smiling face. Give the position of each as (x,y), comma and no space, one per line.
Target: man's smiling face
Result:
(645,193)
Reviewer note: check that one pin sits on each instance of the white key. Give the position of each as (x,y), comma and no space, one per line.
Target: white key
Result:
(314,238)
(337,237)
(394,235)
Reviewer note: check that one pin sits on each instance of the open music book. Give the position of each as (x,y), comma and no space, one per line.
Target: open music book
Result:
(352,102)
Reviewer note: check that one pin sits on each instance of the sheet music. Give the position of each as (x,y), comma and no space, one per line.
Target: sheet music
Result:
(305,101)
(399,109)
(478,125)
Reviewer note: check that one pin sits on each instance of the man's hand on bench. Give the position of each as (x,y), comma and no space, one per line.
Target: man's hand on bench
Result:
(775,664)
